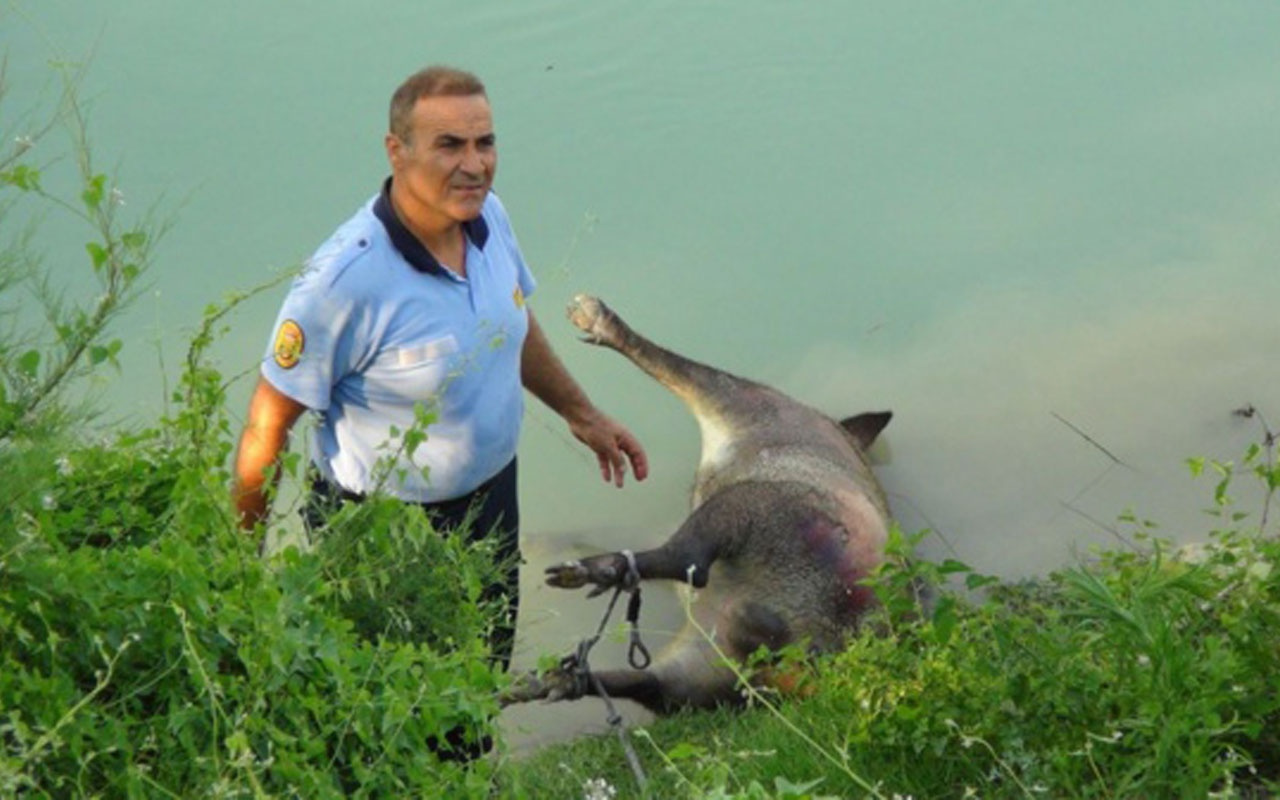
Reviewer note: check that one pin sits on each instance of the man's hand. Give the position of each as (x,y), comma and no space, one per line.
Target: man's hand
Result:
(544,375)
(614,446)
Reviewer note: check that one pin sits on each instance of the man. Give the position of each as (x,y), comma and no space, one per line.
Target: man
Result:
(418,303)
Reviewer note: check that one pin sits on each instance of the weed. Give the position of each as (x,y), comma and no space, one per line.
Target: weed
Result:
(1147,672)
(147,649)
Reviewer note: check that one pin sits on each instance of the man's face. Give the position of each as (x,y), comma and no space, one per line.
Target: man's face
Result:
(444,171)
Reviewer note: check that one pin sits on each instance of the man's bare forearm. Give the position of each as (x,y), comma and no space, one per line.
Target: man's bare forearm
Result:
(546,377)
(266,433)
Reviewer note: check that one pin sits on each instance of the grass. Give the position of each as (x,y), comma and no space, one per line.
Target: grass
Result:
(1132,675)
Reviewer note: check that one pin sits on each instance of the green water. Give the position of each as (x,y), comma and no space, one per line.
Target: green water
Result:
(994,219)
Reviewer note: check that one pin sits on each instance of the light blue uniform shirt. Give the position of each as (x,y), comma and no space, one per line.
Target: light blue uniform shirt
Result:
(373,326)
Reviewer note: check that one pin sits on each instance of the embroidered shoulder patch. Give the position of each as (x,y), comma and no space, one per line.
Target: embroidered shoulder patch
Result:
(289,344)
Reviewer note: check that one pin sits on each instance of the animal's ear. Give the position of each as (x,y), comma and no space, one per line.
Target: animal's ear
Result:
(866,427)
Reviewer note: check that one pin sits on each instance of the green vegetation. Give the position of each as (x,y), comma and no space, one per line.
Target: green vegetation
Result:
(148,650)
(1147,674)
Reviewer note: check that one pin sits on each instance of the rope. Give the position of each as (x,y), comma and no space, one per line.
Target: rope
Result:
(637,655)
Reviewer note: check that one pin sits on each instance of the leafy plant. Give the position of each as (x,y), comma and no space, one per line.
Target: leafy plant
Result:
(39,359)
(147,648)
(1147,672)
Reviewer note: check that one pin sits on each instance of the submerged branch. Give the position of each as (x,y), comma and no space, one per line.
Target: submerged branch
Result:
(1089,439)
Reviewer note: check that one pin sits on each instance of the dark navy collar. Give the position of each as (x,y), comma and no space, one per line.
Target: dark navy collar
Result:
(418,256)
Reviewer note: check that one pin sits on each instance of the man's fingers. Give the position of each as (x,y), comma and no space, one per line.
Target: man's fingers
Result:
(639,461)
(619,468)
(616,451)
(613,467)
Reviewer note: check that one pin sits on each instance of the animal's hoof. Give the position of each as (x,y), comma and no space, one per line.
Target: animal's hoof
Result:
(522,689)
(596,570)
(569,575)
(563,683)
(591,316)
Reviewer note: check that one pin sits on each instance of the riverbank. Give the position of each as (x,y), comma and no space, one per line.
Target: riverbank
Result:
(1145,673)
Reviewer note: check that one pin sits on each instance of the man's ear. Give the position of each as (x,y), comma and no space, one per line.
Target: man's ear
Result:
(395,150)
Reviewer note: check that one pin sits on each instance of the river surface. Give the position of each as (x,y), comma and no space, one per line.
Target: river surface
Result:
(1047,236)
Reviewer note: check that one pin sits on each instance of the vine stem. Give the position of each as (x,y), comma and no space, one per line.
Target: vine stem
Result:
(1271,468)
(104,680)
(116,275)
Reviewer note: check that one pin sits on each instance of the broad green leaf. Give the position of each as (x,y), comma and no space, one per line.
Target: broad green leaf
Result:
(23,177)
(950,566)
(94,191)
(29,363)
(98,254)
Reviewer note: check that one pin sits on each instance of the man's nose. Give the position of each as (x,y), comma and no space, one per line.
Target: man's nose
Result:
(473,160)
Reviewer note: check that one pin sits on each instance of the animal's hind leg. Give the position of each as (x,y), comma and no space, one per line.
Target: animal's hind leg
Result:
(703,388)
(678,559)
(651,688)
(568,681)
(640,685)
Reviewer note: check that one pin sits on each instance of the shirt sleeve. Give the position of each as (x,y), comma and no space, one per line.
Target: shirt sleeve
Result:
(312,345)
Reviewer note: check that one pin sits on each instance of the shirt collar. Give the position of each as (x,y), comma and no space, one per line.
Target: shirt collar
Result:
(419,257)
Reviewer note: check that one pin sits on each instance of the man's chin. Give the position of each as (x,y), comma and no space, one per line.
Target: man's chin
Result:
(467,211)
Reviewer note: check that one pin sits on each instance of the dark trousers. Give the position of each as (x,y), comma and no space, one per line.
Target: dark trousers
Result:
(494,513)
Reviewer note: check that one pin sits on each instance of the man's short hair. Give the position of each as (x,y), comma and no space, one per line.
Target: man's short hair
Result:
(435,81)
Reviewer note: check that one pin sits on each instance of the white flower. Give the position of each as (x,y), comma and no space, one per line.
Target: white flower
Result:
(116,197)
(48,502)
(64,466)
(598,789)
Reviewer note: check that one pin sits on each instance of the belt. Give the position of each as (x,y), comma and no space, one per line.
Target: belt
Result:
(322,485)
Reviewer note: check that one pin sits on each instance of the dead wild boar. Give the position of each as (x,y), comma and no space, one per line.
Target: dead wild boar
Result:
(787,520)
